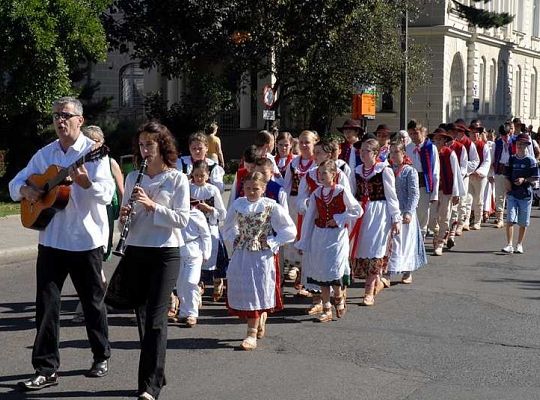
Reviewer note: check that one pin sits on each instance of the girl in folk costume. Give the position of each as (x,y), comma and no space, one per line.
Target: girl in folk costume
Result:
(196,250)
(325,238)
(383,136)
(352,132)
(198,147)
(408,252)
(382,217)
(207,198)
(284,154)
(256,226)
(323,151)
(296,170)
(450,188)
(248,163)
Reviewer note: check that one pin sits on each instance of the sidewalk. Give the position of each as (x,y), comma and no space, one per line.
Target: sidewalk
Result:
(16,241)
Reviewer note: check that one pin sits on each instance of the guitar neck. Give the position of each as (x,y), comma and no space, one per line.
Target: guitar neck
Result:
(63,174)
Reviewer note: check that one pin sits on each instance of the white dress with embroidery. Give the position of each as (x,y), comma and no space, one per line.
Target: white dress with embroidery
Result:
(251,277)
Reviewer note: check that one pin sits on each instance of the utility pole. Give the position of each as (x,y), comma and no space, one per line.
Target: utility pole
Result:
(404,67)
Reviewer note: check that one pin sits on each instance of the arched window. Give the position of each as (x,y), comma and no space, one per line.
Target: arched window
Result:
(131,86)
(491,105)
(457,88)
(534,90)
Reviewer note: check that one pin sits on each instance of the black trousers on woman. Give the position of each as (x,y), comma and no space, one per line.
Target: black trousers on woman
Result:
(155,270)
(52,268)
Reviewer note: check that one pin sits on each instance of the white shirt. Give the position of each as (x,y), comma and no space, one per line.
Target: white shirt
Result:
(217,173)
(206,192)
(161,228)
(196,236)
(83,224)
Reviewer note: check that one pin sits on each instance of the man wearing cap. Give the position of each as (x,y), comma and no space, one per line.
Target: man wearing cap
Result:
(425,160)
(450,187)
(521,175)
(352,132)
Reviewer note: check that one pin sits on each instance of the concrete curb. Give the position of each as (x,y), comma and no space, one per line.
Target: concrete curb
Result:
(24,252)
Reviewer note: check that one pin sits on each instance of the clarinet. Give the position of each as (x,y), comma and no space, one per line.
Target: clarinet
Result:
(121,246)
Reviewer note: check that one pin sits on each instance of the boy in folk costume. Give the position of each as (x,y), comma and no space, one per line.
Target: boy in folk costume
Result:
(425,159)
(196,250)
(503,151)
(325,238)
(478,179)
(352,132)
(198,148)
(382,218)
(458,131)
(383,136)
(284,154)
(450,187)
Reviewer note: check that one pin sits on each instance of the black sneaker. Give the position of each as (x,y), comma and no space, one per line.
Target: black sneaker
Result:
(450,243)
(39,381)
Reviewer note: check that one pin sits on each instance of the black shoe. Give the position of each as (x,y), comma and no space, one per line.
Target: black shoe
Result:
(99,369)
(450,243)
(39,381)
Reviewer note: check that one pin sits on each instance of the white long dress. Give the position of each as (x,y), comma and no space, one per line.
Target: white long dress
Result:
(251,277)
(211,195)
(376,223)
(327,249)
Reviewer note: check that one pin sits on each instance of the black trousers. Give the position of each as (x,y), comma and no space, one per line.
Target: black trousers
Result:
(52,268)
(155,270)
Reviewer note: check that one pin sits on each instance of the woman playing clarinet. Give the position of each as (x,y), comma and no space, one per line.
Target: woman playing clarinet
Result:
(152,255)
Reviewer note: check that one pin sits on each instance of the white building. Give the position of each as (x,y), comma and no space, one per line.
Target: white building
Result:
(491,74)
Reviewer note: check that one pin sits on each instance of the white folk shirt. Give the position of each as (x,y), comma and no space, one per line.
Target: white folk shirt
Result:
(159,228)
(83,224)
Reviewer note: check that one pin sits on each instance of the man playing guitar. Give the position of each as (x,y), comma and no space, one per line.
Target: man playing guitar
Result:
(71,243)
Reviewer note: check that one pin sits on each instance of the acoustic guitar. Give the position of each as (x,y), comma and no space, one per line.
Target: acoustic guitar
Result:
(37,215)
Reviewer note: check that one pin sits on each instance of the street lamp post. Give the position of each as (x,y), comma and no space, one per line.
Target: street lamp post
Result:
(404,67)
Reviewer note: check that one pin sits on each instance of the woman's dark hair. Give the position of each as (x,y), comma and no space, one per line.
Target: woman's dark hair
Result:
(164,138)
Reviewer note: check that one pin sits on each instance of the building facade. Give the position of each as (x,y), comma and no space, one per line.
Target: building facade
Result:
(490,74)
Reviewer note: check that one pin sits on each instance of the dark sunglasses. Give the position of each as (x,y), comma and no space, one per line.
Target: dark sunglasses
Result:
(63,115)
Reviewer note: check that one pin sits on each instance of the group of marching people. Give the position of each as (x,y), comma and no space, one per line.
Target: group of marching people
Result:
(362,208)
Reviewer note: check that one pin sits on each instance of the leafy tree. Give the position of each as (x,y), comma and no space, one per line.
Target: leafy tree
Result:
(482,18)
(316,49)
(44,45)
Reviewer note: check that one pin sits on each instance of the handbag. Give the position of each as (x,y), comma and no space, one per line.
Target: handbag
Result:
(121,291)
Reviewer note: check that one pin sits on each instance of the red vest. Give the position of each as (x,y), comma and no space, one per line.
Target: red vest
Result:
(240,177)
(458,148)
(327,211)
(465,141)
(480,149)
(446,181)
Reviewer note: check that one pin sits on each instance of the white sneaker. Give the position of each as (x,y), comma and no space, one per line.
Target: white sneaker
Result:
(509,249)
(519,248)
(476,227)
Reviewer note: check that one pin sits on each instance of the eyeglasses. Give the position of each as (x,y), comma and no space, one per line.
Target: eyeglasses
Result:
(63,115)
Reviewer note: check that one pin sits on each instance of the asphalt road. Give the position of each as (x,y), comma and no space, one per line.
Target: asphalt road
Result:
(467,328)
